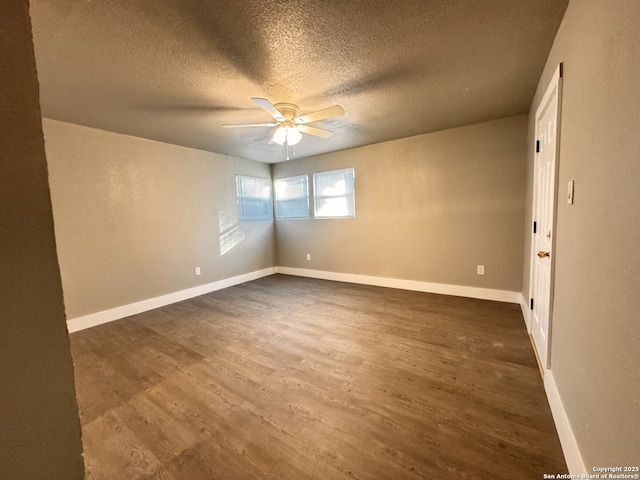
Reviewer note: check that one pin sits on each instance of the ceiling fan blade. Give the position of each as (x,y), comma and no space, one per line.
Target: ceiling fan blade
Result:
(334,111)
(268,107)
(318,132)
(240,125)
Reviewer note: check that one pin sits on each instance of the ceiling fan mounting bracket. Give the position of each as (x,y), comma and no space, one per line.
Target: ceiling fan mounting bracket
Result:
(288,110)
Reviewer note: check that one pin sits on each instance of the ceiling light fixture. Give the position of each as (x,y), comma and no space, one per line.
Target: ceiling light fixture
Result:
(293,136)
(279,136)
(287,133)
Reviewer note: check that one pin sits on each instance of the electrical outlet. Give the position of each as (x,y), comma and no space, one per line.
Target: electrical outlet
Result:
(308,256)
(480,270)
(197,271)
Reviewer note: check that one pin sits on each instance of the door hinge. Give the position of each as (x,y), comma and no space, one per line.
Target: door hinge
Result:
(535,227)
(531,304)
(537,146)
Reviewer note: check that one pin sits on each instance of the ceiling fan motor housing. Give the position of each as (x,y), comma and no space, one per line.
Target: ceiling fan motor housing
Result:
(288,110)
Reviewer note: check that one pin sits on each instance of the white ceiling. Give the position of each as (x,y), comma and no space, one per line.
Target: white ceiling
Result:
(173,71)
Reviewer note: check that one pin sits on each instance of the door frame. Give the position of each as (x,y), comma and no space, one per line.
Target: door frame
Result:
(555,85)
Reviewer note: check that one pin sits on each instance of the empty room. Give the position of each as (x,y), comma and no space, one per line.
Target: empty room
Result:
(320,240)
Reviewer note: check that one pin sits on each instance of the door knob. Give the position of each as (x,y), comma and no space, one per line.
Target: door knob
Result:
(544,254)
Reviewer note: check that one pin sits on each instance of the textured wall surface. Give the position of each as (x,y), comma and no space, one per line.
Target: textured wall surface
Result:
(428,208)
(39,424)
(134,217)
(595,333)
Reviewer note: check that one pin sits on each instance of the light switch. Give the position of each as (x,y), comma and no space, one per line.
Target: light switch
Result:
(570,187)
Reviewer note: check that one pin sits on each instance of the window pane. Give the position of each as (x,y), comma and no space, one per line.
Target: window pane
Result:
(334,194)
(254,198)
(292,197)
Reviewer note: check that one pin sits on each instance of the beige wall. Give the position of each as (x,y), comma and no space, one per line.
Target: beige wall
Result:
(595,358)
(134,217)
(428,208)
(39,424)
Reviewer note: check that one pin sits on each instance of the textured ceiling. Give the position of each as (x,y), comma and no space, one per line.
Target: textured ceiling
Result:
(174,70)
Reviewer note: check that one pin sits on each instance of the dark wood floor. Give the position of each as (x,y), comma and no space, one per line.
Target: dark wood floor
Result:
(294,378)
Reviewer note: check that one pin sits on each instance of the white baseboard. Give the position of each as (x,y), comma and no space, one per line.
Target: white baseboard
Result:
(98,318)
(572,454)
(105,316)
(441,288)
(526,312)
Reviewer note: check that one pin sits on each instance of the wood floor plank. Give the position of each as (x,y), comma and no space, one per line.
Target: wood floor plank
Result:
(295,378)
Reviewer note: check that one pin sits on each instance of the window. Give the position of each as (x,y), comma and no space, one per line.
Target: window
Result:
(254,198)
(334,194)
(292,197)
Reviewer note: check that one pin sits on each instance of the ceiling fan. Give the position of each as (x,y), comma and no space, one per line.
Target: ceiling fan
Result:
(290,125)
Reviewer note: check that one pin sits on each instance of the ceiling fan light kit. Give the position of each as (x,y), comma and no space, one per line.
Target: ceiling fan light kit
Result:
(288,134)
(290,125)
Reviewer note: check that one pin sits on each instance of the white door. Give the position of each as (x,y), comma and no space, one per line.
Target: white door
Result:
(546,128)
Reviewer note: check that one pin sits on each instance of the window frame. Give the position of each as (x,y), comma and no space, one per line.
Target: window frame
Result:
(240,197)
(352,195)
(275,188)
